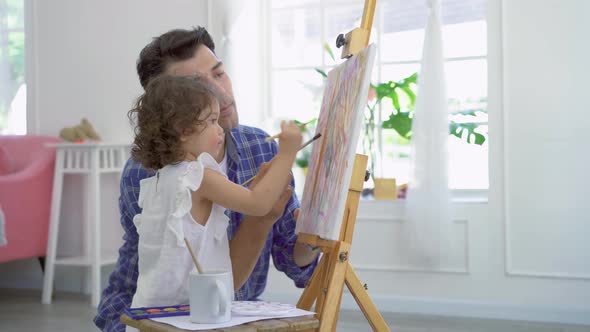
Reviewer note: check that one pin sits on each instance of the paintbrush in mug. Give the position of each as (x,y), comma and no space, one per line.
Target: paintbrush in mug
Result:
(301,148)
(190,249)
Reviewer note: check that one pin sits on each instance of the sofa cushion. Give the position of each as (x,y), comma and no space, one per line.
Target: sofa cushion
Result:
(6,164)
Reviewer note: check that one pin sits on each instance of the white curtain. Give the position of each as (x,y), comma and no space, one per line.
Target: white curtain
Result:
(427,222)
(236,28)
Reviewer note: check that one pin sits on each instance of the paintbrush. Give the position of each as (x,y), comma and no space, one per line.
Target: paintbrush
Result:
(301,126)
(190,249)
(301,148)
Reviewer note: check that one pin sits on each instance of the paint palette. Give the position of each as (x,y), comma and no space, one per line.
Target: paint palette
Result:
(260,308)
(155,312)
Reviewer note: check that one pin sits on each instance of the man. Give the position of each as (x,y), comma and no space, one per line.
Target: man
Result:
(252,239)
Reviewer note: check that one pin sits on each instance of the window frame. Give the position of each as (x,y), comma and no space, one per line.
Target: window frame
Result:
(5,37)
(492,19)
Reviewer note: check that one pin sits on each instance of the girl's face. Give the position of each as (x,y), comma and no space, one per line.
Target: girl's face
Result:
(207,137)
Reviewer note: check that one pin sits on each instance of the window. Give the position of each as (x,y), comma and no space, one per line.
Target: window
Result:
(301,29)
(12,68)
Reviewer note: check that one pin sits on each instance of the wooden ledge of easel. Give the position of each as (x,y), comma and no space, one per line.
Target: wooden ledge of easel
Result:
(315,241)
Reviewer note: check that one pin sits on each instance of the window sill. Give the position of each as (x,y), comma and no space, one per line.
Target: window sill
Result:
(464,203)
(459,196)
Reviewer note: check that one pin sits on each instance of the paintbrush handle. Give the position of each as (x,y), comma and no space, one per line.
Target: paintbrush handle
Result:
(249,180)
(273,137)
(310,141)
(190,249)
(301,148)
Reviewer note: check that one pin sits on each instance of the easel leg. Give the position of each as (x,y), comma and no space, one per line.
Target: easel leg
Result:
(337,273)
(311,291)
(364,301)
(324,282)
(337,312)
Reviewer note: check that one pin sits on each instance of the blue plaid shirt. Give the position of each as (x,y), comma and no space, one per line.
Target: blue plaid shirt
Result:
(246,151)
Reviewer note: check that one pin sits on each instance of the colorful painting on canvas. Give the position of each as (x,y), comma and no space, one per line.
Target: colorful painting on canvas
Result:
(332,157)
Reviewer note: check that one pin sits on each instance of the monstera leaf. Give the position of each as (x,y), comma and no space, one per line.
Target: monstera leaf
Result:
(458,129)
(401,122)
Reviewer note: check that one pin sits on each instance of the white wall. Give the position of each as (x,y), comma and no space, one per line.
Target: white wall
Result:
(104,38)
(524,254)
(546,130)
(86,53)
(81,60)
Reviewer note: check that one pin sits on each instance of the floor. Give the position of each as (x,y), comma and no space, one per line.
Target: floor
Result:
(21,310)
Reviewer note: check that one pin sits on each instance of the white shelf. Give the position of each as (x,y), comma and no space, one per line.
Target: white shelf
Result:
(93,160)
(84,261)
(100,171)
(89,144)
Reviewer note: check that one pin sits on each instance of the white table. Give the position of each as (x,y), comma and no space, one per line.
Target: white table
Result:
(92,160)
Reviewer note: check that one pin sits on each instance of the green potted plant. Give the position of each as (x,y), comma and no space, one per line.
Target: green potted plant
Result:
(400,120)
(402,96)
(462,122)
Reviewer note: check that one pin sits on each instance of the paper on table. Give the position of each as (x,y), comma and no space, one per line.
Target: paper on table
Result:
(183,322)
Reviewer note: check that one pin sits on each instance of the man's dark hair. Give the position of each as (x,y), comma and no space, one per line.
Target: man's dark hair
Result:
(174,45)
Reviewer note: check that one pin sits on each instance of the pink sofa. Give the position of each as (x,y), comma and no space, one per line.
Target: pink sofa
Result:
(26,181)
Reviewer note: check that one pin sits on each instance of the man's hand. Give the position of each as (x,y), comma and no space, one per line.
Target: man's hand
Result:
(303,254)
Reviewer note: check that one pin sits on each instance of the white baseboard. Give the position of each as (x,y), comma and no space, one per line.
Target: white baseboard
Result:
(447,307)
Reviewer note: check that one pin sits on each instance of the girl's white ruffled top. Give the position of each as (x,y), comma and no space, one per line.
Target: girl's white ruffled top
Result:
(164,260)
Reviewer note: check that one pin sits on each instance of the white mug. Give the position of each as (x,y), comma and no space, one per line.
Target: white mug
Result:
(210,296)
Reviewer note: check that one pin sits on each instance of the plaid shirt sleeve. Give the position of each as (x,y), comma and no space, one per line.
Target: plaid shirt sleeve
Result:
(284,239)
(283,244)
(123,280)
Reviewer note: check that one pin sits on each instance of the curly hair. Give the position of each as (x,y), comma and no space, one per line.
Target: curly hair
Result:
(172,46)
(170,108)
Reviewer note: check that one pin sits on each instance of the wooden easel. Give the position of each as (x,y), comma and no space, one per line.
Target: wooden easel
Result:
(334,270)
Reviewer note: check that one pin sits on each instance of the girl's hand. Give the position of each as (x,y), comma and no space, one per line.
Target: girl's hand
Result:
(290,137)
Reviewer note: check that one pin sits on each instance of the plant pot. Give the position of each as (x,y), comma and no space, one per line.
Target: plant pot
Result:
(385,188)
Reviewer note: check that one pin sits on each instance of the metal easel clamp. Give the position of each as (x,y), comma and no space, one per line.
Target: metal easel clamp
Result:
(340,40)
(353,42)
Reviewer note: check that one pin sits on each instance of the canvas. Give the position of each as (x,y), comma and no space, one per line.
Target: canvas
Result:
(332,157)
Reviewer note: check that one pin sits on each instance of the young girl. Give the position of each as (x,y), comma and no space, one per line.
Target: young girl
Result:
(177,134)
